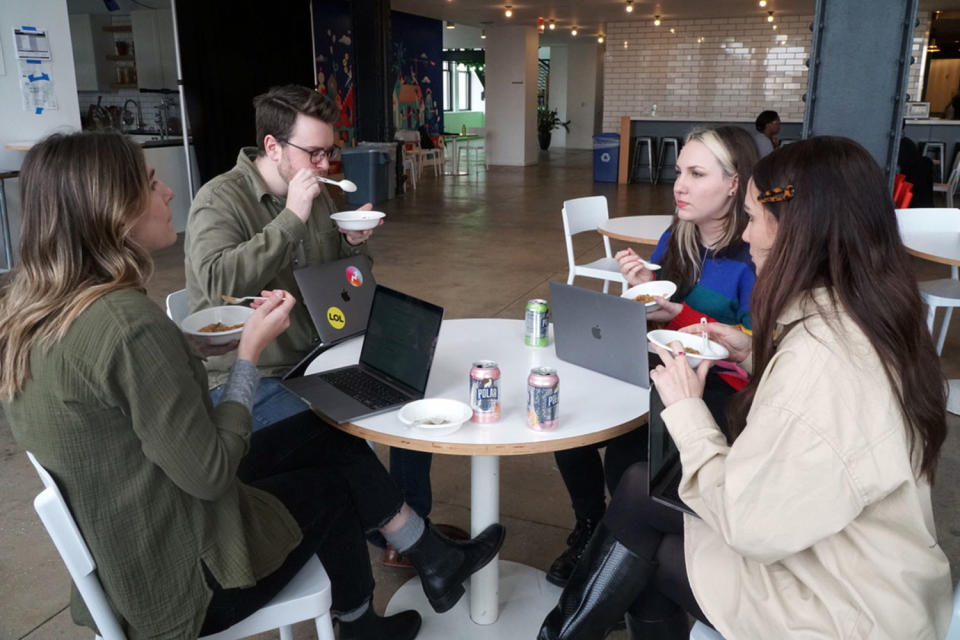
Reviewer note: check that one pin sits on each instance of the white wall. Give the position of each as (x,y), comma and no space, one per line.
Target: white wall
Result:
(557,98)
(16,124)
(511,78)
(463,37)
(583,82)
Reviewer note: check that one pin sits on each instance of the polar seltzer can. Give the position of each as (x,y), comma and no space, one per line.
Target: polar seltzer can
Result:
(485,391)
(543,399)
(535,326)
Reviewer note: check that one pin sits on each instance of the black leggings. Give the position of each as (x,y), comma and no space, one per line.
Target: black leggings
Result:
(336,489)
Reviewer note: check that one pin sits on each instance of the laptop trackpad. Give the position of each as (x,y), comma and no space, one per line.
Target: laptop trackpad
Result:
(317,393)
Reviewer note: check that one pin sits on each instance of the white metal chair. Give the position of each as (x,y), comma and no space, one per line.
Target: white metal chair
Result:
(474,148)
(178,306)
(701,631)
(953,631)
(586,214)
(949,188)
(944,292)
(306,597)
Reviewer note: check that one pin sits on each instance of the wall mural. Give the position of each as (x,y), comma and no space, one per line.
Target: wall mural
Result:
(417,72)
(333,35)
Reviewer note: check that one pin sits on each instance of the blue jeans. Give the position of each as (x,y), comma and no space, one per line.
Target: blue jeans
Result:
(271,403)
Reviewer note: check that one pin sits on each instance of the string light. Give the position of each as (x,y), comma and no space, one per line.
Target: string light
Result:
(672,30)
(770,16)
(483,34)
(656,21)
(629,6)
(553,26)
(508,11)
(600,39)
(763,3)
(573,32)
(450,25)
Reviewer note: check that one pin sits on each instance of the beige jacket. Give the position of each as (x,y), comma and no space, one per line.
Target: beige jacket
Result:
(814,524)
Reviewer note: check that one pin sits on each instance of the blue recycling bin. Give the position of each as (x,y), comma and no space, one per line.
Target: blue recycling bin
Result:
(369,169)
(606,157)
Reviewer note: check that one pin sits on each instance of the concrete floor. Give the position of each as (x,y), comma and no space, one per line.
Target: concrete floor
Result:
(480,246)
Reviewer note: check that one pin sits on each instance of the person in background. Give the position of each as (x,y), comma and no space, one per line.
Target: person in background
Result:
(251,227)
(703,254)
(194,522)
(817,520)
(768,126)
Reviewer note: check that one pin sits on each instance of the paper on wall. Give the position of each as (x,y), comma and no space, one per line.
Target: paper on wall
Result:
(36,86)
(31,43)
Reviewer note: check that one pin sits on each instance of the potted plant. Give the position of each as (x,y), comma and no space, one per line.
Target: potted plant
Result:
(547,121)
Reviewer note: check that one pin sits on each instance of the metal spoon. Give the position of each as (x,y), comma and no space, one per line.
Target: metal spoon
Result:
(232,300)
(344,184)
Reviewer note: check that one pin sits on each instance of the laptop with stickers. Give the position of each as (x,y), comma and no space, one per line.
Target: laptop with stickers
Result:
(338,296)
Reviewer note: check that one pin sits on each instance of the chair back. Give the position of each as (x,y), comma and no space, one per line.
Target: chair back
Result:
(583,214)
(60,525)
(939,219)
(178,306)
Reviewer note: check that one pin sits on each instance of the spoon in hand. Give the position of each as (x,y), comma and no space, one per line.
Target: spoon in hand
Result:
(232,300)
(646,265)
(344,184)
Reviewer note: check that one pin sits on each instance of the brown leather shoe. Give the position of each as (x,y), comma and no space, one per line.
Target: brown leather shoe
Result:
(395,559)
(452,532)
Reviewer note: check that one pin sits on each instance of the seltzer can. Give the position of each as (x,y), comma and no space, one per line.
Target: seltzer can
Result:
(535,325)
(485,391)
(543,399)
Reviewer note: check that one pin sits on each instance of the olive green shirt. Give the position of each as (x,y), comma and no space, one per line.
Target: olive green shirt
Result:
(241,239)
(118,412)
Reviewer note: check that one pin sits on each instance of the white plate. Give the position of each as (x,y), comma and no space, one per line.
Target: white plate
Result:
(453,413)
(229,315)
(357,220)
(663,337)
(663,288)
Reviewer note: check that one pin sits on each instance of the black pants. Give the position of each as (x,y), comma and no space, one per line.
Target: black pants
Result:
(336,489)
(583,472)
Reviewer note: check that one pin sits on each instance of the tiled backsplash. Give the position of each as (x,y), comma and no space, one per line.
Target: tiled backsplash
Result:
(149,102)
(714,69)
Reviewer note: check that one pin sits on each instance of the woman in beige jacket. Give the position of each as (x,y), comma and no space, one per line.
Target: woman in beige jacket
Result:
(816,522)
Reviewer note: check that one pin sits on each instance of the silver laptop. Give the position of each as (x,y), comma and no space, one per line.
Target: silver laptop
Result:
(394,365)
(338,296)
(601,332)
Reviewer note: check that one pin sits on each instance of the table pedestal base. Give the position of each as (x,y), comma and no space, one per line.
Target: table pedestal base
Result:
(525,599)
(953,399)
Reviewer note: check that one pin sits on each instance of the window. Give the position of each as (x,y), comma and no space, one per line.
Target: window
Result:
(463,87)
(447,86)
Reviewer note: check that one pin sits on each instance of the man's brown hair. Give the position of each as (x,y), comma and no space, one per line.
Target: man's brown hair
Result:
(277,111)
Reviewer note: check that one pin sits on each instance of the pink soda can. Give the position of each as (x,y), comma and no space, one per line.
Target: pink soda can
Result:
(485,391)
(543,399)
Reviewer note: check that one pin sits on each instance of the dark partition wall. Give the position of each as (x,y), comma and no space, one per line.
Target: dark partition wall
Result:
(230,52)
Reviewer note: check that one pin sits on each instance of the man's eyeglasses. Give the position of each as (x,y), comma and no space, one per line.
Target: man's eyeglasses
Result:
(316,155)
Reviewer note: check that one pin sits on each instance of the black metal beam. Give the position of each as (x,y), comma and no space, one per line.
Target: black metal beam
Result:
(372,51)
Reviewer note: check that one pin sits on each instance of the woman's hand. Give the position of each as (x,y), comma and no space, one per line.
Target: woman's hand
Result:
(632,269)
(675,379)
(665,311)
(270,318)
(738,343)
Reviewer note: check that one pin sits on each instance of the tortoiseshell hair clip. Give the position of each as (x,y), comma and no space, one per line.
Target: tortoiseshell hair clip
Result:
(776,195)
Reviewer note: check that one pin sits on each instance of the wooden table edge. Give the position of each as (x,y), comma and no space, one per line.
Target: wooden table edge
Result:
(507,449)
(626,238)
(933,258)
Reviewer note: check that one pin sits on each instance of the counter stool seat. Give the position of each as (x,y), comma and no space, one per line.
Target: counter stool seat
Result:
(936,151)
(667,145)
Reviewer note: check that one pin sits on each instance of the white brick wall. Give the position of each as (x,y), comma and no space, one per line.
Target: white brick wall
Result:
(716,69)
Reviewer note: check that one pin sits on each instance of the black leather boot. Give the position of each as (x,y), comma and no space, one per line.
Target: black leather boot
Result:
(676,627)
(606,581)
(401,626)
(444,564)
(577,541)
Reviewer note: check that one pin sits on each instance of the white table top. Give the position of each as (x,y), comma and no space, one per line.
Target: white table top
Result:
(639,229)
(938,246)
(593,407)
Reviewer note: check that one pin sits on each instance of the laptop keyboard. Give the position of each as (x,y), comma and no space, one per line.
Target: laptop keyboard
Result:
(364,388)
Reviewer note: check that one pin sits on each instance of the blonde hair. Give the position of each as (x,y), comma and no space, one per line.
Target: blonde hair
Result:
(80,195)
(736,152)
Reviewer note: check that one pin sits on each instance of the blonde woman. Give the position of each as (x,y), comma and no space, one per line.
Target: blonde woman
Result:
(194,523)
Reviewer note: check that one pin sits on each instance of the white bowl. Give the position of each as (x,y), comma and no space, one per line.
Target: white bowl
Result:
(663,288)
(453,413)
(357,220)
(229,315)
(663,337)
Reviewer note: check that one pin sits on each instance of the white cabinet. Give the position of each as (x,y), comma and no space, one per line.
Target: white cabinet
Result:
(171,167)
(153,40)
(91,46)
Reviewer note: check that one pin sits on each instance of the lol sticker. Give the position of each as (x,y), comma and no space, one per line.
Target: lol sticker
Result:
(354,276)
(336,318)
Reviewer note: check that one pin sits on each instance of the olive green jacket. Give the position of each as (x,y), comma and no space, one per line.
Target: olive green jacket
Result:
(242,239)
(118,412)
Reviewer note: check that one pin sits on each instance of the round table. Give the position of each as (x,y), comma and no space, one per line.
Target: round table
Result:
(451,142)
(639,229)
(506,599)
(943,247)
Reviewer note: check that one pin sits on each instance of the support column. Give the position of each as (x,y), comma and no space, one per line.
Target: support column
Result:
(859,65)
(372,56)
(511,87)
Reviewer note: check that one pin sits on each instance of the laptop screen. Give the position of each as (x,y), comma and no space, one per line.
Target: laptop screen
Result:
(401,337)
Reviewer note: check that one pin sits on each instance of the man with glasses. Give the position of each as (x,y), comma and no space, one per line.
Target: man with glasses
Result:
(250,227)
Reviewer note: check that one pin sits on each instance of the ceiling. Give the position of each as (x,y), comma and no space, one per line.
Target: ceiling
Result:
(589,15)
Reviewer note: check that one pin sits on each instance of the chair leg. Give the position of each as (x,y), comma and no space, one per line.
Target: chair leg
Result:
(286,632)
(931,314)
(324,627)
(943,329)
(570,277)
(606,286)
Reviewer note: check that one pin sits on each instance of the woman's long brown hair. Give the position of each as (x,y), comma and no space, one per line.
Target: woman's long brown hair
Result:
(736,152)
(80,194)
(839,231)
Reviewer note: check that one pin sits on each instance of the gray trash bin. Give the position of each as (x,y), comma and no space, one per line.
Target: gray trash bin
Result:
(389,148)
(368,168)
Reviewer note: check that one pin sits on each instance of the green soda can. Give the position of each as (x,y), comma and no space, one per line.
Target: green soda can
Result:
(535,326)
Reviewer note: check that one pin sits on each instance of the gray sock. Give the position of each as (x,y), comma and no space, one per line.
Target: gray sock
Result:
(408,534)
(354,614)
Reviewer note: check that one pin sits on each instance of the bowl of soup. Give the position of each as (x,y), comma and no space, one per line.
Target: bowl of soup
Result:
(217,325)
(647,291)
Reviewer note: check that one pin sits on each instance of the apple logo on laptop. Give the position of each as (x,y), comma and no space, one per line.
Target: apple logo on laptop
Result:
(595,331)
(345,295)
